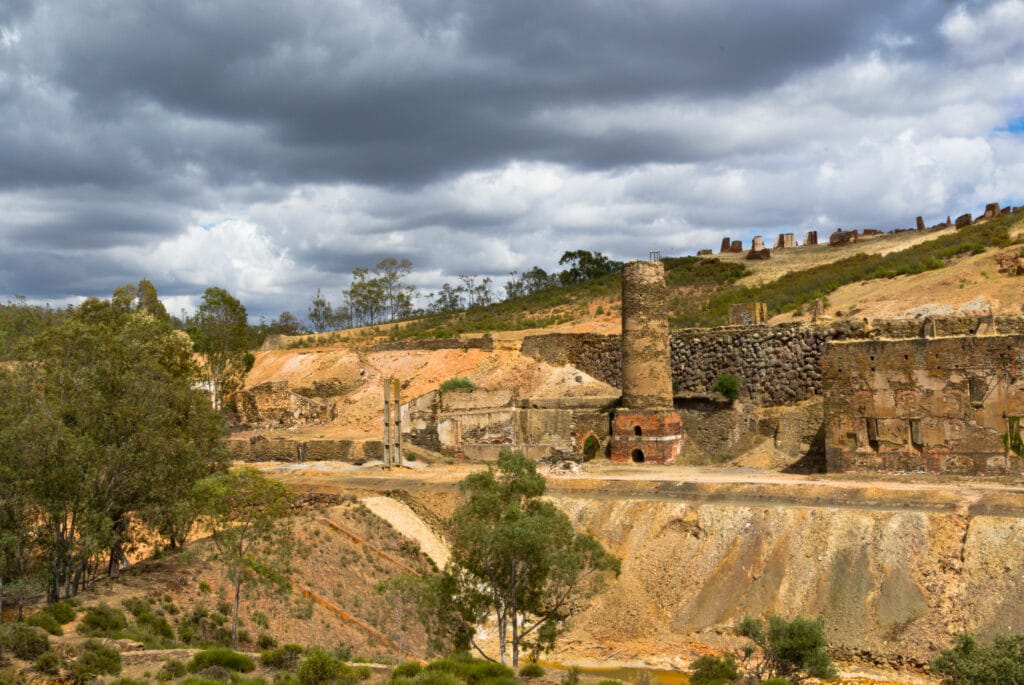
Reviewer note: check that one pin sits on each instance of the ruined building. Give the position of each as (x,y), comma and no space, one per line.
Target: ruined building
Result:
(942,405)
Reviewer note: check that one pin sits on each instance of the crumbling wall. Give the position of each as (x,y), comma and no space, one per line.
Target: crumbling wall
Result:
(943,405)
(272,404)
(259,448)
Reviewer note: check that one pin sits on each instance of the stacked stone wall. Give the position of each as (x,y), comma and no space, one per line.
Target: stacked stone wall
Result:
(776,365)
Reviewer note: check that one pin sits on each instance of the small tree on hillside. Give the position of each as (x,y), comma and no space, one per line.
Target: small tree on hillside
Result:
(788,648)
(220,332)
(968,662)
(245,514)
(517,558)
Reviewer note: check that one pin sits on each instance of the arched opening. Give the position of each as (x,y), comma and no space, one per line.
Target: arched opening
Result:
(591,446)
(638,456)
(637,431)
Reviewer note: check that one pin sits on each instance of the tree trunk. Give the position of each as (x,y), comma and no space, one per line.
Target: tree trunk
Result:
(234,615)
(514,611)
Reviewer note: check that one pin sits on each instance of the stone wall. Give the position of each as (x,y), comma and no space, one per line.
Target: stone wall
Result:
(280,449)
(272,404)
(776,365)
(942,405)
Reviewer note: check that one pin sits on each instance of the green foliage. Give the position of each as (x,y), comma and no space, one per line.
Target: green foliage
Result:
(283,658)
(102,621)
(968,662)
(171,669)
(430,677)
(245,514)
(43,620)
(107,416)
(457,383)
(804,287)
(406,669)
(49,663)
(517,556)
(728,385)
(714,670)
(96,659)
(63,612)
(789,648)
(266,641)
(219,331)
(531,670)
(223,657)
(318,668)
(23,641)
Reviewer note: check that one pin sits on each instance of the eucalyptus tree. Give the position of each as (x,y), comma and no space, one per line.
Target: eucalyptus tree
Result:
(105,426)
(517,558)
(220,332)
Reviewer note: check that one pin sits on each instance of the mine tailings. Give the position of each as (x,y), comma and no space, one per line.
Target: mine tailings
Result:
(894,568)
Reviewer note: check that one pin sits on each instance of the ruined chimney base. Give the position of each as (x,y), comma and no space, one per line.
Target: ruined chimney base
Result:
(652,436)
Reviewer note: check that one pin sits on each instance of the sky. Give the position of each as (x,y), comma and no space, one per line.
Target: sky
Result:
(270,148)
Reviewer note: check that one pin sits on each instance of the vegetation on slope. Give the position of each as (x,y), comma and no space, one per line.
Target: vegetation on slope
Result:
(800,288)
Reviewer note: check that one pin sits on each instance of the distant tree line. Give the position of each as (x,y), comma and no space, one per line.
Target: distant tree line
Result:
(382,294)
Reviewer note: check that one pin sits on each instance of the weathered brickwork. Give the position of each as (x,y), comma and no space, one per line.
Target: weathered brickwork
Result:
(654,437)
(941,405)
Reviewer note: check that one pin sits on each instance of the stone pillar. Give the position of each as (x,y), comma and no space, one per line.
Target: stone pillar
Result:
(920,223)
(726,244)
(812,238)
(758,243)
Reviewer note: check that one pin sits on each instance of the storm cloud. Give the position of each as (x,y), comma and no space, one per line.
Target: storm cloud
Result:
(272,147)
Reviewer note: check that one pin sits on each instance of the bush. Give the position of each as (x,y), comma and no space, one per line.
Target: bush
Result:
(284,658)
(25,642)
(789,647)
(266,641)
(49,663)
(102,621)
(406,669)
(319,668)
(97,659)
(458,383)
(714,670)
(436,678)
(64,611)
(728,385)
(531,670)
(221,656)
(969,662)
(171,669)
(43,620)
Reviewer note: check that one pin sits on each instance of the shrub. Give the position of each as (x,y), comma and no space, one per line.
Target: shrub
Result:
(458,383)
(25,642)
(728,385)
(531,670)
(48,663)
(221,656)
(436,678)
(171,669)
(969,662)
(789,647)
(136,606)
(406,669)
(284,658)
(319,668)
(571,677)
(64,611)
(43,620)
(96,659)
(266,641)
(714,670)
(215,673)
(102,621)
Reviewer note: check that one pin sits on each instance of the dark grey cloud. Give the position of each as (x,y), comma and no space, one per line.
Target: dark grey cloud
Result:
(310,138)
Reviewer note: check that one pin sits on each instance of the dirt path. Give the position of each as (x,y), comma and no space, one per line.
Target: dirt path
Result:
(405,521)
